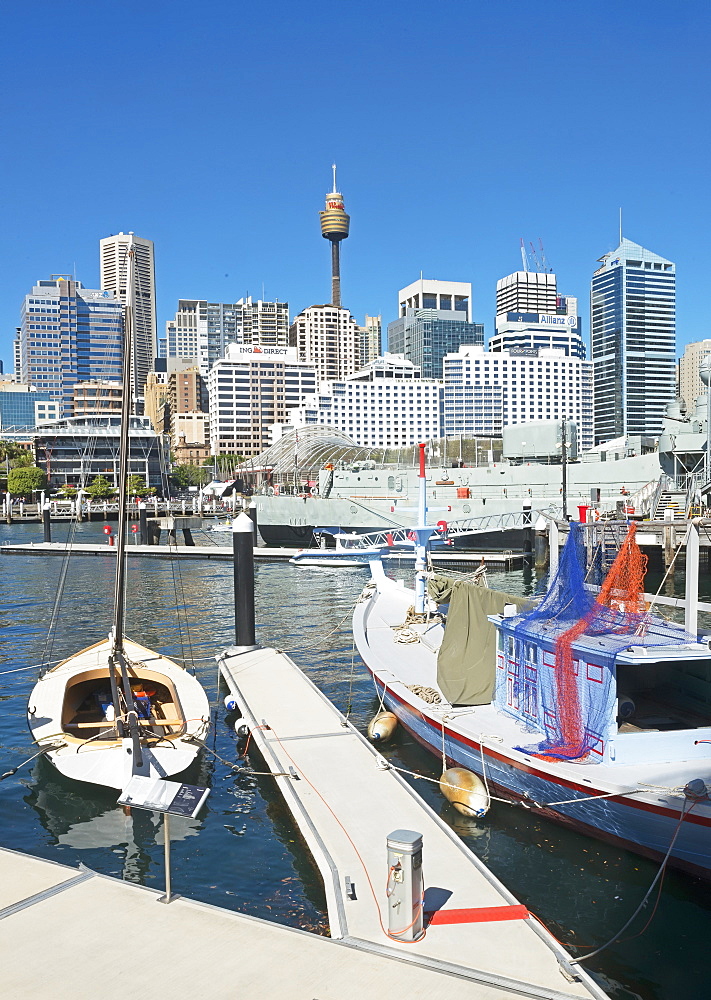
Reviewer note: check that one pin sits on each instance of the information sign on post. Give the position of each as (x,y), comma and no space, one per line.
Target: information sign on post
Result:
(169,798)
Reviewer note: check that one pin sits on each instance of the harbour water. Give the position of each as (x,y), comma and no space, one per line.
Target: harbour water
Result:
(243,852)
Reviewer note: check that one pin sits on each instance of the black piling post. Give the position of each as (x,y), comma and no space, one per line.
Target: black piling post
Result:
(243,554)
(143,523)
(47,524)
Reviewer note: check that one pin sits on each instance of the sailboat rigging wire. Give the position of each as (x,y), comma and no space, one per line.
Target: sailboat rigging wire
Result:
(52,628)
(30,666)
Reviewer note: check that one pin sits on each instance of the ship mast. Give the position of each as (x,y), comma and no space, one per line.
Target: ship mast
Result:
(120,585)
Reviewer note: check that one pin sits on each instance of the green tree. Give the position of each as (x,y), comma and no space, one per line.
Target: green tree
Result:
(68,491)
(23,481)
(135,486)
(100,489)
(190,475)
(14,455)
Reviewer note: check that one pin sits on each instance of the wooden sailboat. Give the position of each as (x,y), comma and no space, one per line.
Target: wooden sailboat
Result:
(116,708)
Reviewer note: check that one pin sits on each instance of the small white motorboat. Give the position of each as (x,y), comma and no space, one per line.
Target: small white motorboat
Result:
(349,551)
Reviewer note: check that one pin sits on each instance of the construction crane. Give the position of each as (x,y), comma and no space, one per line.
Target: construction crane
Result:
(535,258)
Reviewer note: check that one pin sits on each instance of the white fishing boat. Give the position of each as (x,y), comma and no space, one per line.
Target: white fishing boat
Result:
(348,551)
(116,708)
(586,708)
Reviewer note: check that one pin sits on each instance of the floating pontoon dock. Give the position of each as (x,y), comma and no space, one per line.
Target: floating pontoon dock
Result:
(223,553)
(61,928)
(346,801)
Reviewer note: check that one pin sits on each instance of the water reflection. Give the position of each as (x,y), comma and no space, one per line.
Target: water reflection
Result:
(247,855)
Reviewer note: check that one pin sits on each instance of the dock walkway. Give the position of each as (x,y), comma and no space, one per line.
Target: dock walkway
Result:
(63,931)
(345,803)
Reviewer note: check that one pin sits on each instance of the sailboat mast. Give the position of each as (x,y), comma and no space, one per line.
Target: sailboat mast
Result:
(120,586)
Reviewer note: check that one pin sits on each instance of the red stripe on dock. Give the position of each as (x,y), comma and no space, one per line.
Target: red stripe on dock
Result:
(477,915)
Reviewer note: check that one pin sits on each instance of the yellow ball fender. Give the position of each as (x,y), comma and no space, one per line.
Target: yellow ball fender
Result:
(465,790)
(382,727)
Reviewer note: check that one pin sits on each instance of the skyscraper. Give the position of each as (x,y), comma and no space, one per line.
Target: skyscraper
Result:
(633,339)
(530,315)
(434,320)
(69,334)
(113,256)
(327,338)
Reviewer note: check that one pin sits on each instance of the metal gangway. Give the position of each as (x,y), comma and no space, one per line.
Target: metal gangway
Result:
(449,530)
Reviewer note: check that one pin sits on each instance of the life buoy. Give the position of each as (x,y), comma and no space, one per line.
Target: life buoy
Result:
(629,510)
(276,491)
(314,491)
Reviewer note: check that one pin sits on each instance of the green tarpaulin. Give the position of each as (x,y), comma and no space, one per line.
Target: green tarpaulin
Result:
(466,662)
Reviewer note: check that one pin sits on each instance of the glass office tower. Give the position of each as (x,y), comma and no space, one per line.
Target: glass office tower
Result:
(633,341)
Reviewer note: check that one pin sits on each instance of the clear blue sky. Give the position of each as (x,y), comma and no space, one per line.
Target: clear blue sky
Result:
(457,127)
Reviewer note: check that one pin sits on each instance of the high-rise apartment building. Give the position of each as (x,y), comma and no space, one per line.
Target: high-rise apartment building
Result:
(327,338)
(690,384)
(201,330)
(69,334)
(633,339)
(114,271)
(369,340)
(250,389)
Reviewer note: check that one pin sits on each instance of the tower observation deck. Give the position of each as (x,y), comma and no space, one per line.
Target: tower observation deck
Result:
(335,224)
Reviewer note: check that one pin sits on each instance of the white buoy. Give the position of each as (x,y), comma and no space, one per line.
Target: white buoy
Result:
(230,703)
(382,727)
(465,790)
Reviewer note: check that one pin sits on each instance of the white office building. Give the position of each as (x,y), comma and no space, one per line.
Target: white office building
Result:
(328,338)
(429,293)
(487,391)
(386,405)
(113,252)
(250,389)
(526,291)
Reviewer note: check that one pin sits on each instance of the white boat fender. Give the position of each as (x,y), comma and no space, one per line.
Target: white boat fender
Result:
(242,729)
(382,727)
(465,790)
(230,703)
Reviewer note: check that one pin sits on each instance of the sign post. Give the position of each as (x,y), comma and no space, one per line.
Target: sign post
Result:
(169,798)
